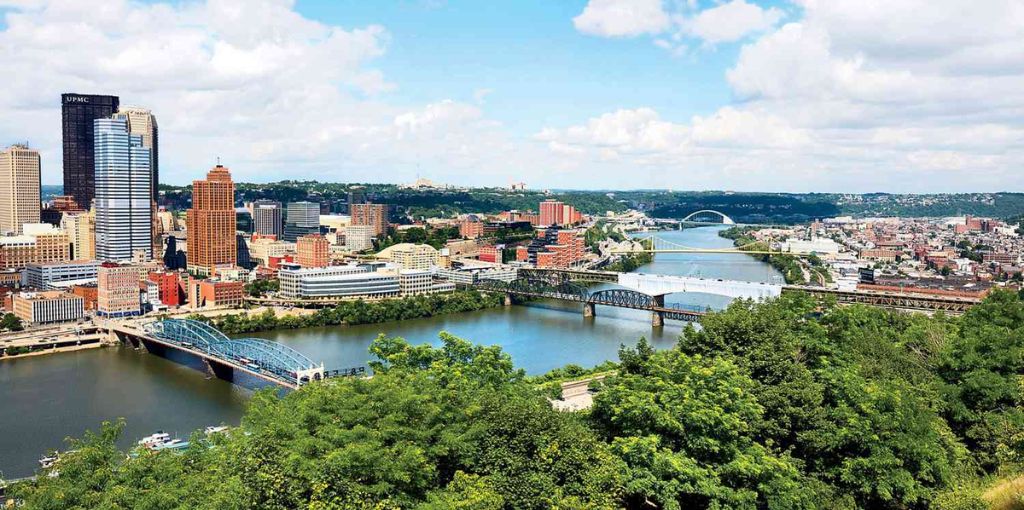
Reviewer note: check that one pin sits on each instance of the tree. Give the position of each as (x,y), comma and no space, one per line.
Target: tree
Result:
(11,322)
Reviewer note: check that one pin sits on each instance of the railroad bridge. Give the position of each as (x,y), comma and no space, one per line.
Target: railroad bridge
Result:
(647,291)
(224,356)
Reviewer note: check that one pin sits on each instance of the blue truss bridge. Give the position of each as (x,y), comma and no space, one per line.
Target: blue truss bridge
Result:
(224,356)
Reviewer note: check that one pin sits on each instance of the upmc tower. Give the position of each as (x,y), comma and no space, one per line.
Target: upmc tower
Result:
(79,110)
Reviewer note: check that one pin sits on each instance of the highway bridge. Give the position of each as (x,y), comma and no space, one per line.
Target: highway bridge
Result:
(263,359)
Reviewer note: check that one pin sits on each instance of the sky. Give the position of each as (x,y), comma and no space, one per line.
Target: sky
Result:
(911,96)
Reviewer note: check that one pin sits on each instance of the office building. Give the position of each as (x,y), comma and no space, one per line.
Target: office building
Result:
(78,111)
(312,251)
(66,204)
(411,256)
(48,307)
(174,257)
(19,188)
(211,223)
(124,212)
(81,230)
(262,249)
(243,221)
(303,218)
(215,293)
(358,237)
(141,122)
(41,243)
(59,274)
(372,215)
(169,287)
(268,219)
(117,291)
(413,282)
(336,281)
(550,213)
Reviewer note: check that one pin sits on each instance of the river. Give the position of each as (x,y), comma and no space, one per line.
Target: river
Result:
(44,399)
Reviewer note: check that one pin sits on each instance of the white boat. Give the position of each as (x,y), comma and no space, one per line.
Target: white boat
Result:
(173,444)
(159,437)
(47,461)
(215,430)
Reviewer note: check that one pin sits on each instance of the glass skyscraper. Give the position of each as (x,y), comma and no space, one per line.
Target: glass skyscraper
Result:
(124,216)
(303,219)
(78,111)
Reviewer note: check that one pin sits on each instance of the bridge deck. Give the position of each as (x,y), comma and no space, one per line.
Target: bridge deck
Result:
(266,376)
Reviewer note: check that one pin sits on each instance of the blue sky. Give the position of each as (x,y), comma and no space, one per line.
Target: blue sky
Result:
(800,95)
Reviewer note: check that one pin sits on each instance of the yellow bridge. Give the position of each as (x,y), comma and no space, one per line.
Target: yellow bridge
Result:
(655,244)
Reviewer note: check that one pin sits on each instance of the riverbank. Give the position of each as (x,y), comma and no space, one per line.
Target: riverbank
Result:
(788,265)
(49,350)
(357,312)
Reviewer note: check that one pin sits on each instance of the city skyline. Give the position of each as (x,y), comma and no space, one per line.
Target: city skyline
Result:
(752,96)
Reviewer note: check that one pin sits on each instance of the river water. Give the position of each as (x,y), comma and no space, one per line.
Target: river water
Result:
(47,398)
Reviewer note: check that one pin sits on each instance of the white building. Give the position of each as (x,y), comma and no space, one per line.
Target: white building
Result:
(59,274)
(47,307)
(336,281)
(413,282)
(819,245)
(358,237)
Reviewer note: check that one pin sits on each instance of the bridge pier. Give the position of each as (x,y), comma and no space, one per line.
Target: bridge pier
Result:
(218,370)
(657,316)
(508,299)
(589,310)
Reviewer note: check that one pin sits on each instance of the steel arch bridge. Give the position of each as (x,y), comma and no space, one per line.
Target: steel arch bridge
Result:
(263,358)
(573,291)
(725,219)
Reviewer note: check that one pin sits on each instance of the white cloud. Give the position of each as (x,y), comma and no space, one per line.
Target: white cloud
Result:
(274,94)
(731,22)
(622,18)
(914,95)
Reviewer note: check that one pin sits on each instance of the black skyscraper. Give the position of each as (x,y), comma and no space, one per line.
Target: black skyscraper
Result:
(78,112)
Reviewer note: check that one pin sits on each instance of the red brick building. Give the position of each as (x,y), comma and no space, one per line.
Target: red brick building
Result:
(312,250)
(170,285)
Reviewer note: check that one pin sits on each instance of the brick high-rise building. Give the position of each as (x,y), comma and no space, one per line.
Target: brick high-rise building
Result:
(117,292)
(78,111)
(312,250)
(19,188)
(373,215)
(211,223)
(551,213)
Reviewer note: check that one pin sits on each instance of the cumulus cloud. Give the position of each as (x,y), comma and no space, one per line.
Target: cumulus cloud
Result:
(731,21)
(622,18)
(915,95)
(274,94)
(674,23)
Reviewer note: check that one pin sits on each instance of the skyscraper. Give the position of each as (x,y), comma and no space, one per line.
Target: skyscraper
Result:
(19,188)
(142,122)
(124,213)
(303,219)
(78,111)
(267,218)
(211,223)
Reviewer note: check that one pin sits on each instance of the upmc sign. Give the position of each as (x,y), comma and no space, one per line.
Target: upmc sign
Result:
(76,99)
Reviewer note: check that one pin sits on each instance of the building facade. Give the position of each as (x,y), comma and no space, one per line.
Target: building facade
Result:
(372,215)
(169,287)
(123,188)
(141,122)
(216,293)
(81,230)
(414,256)
(312,251)
(267,218)
(40,244)
(78,111)
(117,291)
(211,223)
(59,274)
(19,188)
(358,237)
(336,281)
(303,218)
(48,307)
